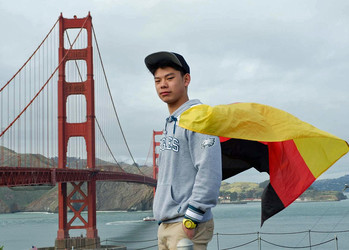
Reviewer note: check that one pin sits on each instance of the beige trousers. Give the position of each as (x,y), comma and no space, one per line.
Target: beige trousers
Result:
(169,234)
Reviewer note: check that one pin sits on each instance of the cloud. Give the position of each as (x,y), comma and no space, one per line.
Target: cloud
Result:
(288,54)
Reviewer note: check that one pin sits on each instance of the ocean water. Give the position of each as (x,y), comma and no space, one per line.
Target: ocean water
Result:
(324,225)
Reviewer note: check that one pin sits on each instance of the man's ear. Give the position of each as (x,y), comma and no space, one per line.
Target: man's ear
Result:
(187,79)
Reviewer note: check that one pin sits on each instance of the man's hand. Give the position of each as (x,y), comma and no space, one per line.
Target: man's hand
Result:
(189,232)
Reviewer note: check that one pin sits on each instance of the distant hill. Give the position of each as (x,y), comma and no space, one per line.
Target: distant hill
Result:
(124,196)
(110,195)
(331,184)
(240,190)
(321,190)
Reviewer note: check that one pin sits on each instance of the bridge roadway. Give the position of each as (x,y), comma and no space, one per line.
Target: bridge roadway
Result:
(29,176)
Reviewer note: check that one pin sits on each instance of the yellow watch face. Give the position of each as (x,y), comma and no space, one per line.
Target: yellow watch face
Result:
(189,224)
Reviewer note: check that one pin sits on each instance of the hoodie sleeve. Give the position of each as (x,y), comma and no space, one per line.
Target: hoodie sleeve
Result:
(205,151)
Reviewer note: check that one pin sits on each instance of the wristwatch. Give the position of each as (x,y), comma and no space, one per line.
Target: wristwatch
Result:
(188,223)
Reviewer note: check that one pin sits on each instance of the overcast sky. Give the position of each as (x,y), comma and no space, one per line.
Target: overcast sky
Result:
(292,55)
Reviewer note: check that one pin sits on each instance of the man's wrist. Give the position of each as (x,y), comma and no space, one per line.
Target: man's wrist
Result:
(195,214)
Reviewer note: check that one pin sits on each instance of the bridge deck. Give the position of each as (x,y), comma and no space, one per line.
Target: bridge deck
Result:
(19,176)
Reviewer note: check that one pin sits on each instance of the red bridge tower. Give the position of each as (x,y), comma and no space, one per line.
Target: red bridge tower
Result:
(84,129)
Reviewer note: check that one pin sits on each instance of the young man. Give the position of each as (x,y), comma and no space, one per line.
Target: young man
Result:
(190,170)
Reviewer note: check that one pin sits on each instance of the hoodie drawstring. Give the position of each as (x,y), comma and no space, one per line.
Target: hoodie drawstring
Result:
(171,119)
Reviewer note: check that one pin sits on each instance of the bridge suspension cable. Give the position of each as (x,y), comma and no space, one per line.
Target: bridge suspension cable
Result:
(112,101)
(102,134)
(39,92)
(96,120)
(29,123)
(33,128)
(20,69)
(27,132)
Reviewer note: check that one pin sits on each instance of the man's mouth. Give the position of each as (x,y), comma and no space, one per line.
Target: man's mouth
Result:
(165,93)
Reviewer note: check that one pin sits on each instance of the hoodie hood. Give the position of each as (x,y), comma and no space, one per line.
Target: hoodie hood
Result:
(175,115)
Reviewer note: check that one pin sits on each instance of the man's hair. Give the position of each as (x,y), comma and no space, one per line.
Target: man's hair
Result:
(166,63)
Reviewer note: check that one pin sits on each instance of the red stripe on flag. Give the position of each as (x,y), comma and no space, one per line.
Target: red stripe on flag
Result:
(223,139)
(289,174)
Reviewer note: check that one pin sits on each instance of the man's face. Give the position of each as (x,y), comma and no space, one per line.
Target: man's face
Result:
(171,86)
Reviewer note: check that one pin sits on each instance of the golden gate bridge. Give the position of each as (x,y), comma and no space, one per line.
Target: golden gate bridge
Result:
(59,104)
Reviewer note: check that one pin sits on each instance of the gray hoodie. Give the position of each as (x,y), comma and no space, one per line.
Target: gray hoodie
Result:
(190,172)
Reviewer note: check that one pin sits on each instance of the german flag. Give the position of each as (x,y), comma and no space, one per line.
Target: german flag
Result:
(293,152)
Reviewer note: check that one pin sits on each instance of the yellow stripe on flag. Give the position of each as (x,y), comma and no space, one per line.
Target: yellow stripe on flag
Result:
(320,153)
(249,121)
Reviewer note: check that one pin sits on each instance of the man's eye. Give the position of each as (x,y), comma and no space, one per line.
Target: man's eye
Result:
(170,78)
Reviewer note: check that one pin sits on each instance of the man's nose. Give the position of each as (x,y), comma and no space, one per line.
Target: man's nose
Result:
(163,84)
